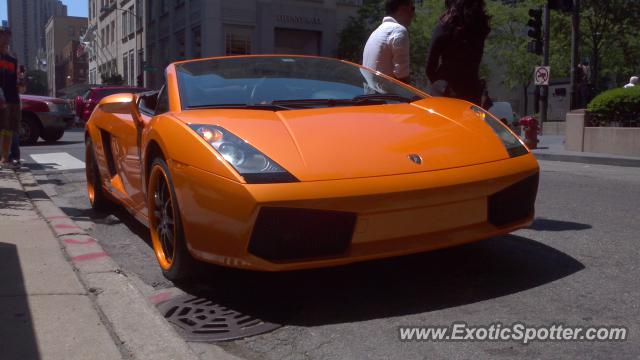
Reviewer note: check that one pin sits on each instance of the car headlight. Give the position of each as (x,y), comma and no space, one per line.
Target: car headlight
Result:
(53,107)
(515,147)
(251,164)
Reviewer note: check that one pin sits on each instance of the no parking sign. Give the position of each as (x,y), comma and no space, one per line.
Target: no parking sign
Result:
(542,75)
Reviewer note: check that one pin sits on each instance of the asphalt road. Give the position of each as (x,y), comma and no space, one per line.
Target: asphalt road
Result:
(65,155)
(577,265)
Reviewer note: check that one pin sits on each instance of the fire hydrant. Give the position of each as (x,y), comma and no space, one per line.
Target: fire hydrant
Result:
(530,129)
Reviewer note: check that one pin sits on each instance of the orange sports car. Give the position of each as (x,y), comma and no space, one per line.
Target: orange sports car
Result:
(290,162)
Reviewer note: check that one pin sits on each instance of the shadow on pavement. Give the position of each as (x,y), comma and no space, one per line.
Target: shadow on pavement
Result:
(393,287)
(118,215)
(378,289)
(556,225)
(10,198)
(17,334)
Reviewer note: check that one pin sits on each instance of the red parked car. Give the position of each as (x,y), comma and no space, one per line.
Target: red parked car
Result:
(44,117)
(86,103)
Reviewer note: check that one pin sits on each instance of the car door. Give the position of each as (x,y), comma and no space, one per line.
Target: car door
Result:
(122,135)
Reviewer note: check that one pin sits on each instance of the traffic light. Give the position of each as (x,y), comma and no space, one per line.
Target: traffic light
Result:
(535,31)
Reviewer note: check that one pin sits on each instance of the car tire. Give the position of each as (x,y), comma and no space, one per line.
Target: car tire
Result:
(95,192)
(52,135)
(30,129)
(165,225)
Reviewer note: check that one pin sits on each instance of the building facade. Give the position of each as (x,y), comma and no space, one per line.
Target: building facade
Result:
(187,29)
(73,67)
(27,19)
(59,32)
(116,40)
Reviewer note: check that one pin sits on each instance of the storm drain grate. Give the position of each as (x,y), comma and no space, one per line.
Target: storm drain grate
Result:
(201,319)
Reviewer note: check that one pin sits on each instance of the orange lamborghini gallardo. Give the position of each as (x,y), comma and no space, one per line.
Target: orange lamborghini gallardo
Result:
(290,162)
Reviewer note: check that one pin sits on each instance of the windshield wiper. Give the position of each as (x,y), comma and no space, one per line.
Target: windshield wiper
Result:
(271,107)
(384,97)
(360,100)
(312,102)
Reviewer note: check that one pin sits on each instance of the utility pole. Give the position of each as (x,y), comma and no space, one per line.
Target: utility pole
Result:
(575,54)
(544,98)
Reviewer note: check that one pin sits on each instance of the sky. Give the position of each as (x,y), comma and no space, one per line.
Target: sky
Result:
(74,8)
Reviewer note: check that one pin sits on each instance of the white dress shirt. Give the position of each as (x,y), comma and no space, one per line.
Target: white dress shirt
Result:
(387,49)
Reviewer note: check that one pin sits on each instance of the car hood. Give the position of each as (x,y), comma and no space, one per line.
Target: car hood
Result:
(42,98)
(363,141)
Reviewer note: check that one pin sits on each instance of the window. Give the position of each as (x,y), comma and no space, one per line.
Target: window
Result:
(237,40)
(125,25)
(139,12)
(125,67)
(131,20)
(132,68)
(164,6)
(103,40)
(196,42)
(181,46)
(113,31)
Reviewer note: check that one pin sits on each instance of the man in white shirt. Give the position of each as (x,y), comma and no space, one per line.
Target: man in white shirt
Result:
(633,82)
(387,49)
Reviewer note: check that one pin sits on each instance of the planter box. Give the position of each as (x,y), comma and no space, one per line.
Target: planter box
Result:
(608,140)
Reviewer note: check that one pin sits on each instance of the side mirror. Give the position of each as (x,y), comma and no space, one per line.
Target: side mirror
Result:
(119,104)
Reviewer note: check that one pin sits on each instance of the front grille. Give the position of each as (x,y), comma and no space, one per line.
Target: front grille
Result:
(285,234)
(515,203)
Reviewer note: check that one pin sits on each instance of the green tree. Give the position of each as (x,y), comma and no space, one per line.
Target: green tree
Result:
(37,82)
(353,37)
(610,34)
(506,46)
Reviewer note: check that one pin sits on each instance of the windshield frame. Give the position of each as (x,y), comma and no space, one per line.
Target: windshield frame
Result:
(176,68)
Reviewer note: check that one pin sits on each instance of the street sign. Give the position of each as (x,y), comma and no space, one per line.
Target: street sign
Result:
(542,75)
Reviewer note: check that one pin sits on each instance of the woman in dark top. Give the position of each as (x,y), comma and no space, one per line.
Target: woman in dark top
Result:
(456,50)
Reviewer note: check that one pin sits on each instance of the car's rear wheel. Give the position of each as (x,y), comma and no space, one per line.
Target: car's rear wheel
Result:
(30,129)
(97,197)
(52,135)
(167,236)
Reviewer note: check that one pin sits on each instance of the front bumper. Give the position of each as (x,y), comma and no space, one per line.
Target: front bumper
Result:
(56,120)
(390,216)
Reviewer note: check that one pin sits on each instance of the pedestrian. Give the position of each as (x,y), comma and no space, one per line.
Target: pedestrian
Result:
(387,50)
(456,50)
(14,154)
(10,100)
(633,82)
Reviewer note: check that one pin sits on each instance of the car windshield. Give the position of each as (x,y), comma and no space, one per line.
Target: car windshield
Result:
(281,83)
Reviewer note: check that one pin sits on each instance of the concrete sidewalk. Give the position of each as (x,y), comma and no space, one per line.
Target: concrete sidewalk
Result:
(551,148)
(61,296)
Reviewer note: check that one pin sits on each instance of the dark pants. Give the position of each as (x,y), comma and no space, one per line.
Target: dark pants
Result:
(15,147)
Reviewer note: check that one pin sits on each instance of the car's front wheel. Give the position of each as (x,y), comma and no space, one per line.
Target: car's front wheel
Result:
(97,197)
(52,135)
(167,236)
(30,129)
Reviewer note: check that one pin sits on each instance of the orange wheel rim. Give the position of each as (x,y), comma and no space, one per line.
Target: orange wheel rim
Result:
(162,217)
(89,169)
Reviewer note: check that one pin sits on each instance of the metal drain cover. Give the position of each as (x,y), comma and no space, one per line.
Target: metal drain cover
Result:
(201,319)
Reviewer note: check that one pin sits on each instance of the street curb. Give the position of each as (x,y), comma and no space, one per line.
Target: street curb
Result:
(138,328)
(584,159)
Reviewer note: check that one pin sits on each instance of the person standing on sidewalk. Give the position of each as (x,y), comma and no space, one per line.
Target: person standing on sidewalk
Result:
(456,50)
(9,99)
(14,154)
(387,50)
